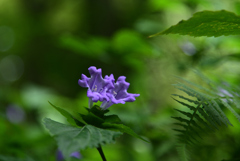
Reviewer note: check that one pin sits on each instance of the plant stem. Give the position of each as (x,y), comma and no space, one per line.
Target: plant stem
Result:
(101,153)
(90,103)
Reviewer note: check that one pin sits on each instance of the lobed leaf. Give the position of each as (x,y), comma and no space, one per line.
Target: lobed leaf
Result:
(71,139)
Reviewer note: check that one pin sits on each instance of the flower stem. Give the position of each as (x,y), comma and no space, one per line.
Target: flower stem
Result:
(90,103)
(101,153)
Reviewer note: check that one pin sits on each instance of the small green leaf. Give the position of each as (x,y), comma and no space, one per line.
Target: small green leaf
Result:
(92,119)
(207,23)
(112,119)
(122,128)
(69,117)
(71,139)
(96,110)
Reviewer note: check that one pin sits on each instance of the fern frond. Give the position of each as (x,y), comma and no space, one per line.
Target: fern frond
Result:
(204,79)
(205,109)
(183,152)
(185,113)
(194,93)
(223,116)
(187,99)
(212,112)
(196,85)
(181,119)
(184,104)
(209,120)
(231,109)
(184,90)
(236,102)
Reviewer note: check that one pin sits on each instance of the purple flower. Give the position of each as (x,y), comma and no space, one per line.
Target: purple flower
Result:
(97,86)
(60,157)
(105,90)
(119,94)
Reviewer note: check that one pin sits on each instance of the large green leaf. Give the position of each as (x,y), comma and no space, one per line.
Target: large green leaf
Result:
(69,117)
(71,139)
(207,23)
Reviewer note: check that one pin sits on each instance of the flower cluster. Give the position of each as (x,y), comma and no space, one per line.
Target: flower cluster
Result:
(105,89)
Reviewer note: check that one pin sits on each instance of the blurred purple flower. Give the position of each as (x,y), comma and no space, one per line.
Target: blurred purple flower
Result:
(119,94)
(105,90)
(15,114)
(74,155)
(97,86)
(224,93)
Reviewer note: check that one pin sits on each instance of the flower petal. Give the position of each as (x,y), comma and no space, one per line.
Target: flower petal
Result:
(97,86)
(119,94)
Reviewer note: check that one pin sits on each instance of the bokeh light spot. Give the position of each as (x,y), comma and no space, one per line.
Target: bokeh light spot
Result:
(11,68)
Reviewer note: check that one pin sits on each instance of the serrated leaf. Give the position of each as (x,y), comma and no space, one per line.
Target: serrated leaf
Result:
(71,139)
(122,128)
(69,117)
(207,23)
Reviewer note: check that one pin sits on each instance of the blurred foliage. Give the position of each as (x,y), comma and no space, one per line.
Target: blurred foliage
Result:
(46,45)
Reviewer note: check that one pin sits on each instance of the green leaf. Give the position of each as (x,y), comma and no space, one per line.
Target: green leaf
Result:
(187,99)
(96,110)
(207,23)
(231,109)
(122,128)
(69,117)
(92,119)
(112,119)
(71,139)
